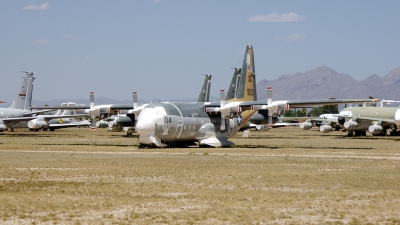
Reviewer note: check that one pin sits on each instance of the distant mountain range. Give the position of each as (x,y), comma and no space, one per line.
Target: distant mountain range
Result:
(324,82)
(319,83)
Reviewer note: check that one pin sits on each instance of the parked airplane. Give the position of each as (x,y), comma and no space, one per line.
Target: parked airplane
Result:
(61,119)
(19,110)
(377,120)
(325,122)
(19,113)
(183,124)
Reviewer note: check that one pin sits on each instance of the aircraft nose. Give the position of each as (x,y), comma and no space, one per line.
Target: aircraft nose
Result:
(145,127)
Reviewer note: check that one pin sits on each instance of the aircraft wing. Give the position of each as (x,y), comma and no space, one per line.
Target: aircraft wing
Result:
(50,117)
(111,106)
(61,107)
(37,112)
(121,106)
(72,124)
(299,119)
(281,124)
(287,104)
(359,118)
(11,121)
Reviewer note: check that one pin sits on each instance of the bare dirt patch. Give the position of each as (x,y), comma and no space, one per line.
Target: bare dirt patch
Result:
(281,176)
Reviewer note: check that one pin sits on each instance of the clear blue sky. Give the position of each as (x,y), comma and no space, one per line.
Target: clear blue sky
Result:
(161,48)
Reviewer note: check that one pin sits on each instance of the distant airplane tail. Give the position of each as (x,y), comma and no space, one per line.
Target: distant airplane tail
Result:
(24,97)
(204,95)
(246,90)
(232,90)
(68,112)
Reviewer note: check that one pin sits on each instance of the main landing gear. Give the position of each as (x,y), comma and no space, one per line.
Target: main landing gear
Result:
(357,133)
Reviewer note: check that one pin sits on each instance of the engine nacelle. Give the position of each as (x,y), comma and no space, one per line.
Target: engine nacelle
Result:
(259,118)
(80,111)
(305,125)
(114,127)
(101,124)
(375,129)
(397,118)
(206,130)
(325,128)
(124,121)
(2,127)
(37,124)
(350,125)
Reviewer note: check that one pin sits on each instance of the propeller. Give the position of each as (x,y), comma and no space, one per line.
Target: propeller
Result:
(222,104)
(135,104)
(269,100)
(91,111)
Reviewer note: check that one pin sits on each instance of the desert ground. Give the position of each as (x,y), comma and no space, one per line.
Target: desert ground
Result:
(281,176)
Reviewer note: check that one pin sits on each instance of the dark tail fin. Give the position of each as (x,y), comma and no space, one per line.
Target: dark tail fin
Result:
(24,97)
(204,95)
(233,87)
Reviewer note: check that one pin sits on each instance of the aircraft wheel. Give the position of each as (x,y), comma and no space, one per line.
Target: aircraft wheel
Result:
(350,134)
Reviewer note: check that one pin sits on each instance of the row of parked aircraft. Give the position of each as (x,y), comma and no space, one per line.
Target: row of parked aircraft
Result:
(203,122)
(358,120)
(206,123)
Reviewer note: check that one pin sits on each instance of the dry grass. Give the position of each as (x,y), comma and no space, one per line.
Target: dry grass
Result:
(282,176)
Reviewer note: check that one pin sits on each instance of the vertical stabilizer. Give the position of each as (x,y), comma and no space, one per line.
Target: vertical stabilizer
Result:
(247,84)
(204,95)
(232,90)
(246,90)
(24,97)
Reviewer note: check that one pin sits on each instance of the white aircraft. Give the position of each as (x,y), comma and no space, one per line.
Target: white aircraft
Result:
(59,122)
(360,119)
(377,120)
(19,110)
